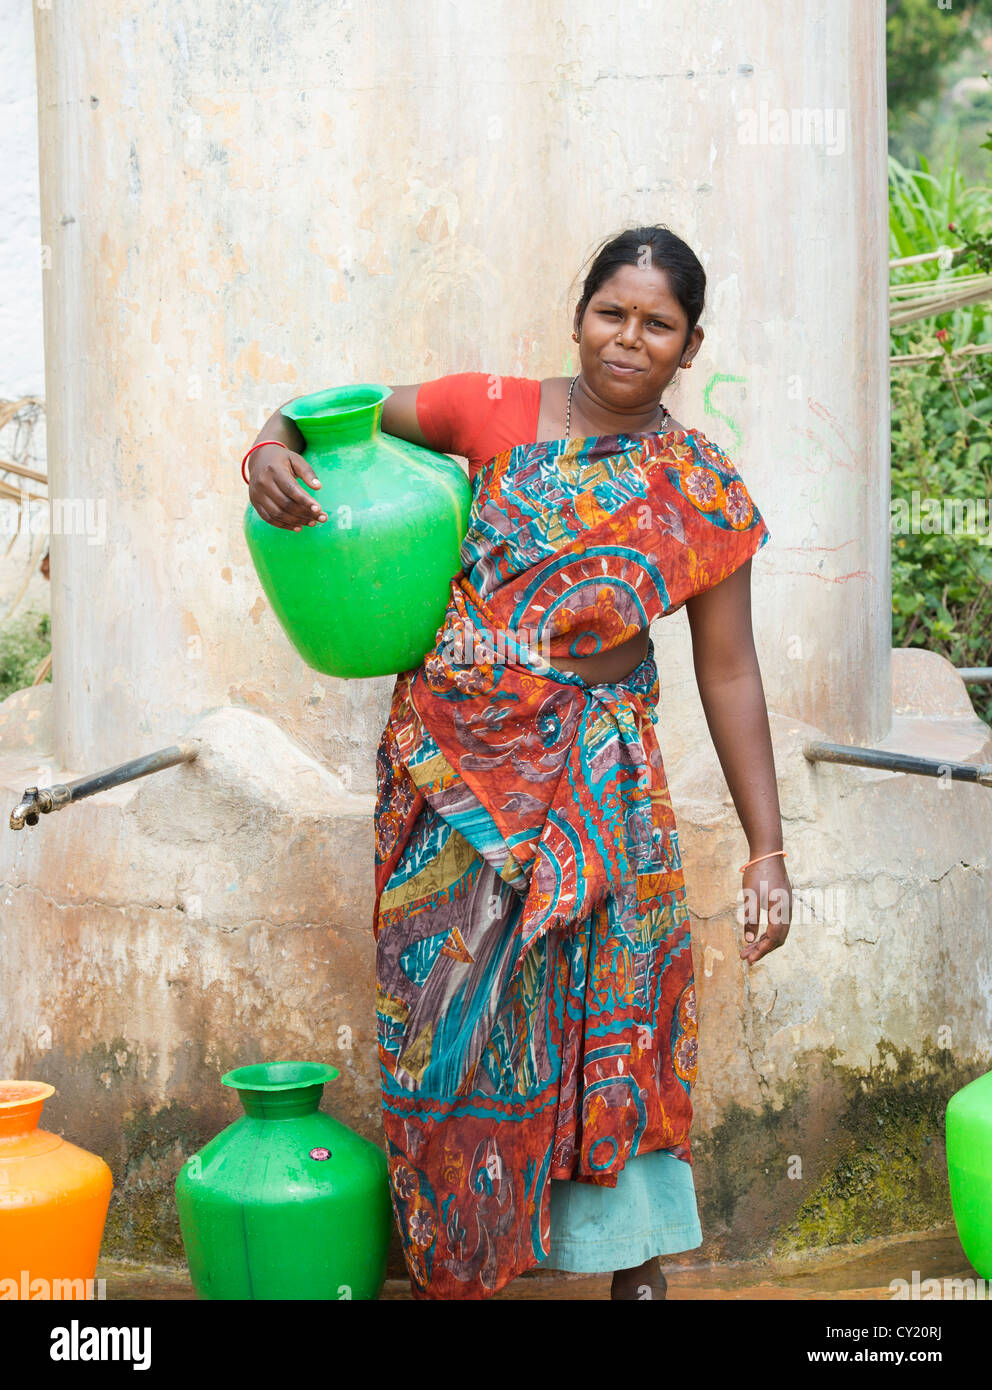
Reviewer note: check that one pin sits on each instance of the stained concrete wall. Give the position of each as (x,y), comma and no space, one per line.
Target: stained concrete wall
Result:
(248,204)
(23,527)
(22,357)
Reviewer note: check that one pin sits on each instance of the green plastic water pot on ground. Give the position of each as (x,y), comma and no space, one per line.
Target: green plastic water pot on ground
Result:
(364,592)
(287,1202)
(969,1169)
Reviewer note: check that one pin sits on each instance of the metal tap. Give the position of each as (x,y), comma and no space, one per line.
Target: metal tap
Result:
(38,801)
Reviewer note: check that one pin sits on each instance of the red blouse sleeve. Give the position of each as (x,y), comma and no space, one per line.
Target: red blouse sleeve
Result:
(478,415)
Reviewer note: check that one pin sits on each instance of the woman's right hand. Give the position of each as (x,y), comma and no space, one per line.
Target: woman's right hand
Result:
(276,495)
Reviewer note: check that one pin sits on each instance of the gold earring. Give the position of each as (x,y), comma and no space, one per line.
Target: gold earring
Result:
(575,337)
(687,365)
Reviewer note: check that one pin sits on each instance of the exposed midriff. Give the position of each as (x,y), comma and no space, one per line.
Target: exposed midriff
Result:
(605,668)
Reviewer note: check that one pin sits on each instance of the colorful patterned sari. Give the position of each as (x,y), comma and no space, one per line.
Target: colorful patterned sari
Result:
(536,1012)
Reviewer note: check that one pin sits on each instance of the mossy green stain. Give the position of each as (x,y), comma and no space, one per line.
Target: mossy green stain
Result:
(879,1169)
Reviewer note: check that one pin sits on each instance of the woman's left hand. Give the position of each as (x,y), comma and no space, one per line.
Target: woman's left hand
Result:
(766,889)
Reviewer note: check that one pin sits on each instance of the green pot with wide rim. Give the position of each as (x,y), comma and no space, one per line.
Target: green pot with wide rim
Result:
(364,593)
(969,1169)
(287,1202)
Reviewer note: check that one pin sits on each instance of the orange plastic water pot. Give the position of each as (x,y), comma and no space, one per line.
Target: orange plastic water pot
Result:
(53,1202)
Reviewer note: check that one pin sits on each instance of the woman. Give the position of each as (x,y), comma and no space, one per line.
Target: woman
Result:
(536,1011)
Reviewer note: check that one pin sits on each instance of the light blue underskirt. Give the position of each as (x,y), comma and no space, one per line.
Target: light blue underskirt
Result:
(651,1211)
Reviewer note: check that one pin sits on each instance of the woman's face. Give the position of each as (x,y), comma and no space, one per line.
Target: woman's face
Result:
(632,338)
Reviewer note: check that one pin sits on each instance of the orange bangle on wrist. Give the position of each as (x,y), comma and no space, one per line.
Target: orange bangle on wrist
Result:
(258,446)
(759,857)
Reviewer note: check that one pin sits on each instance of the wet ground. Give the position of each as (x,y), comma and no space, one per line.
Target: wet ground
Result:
(850,1273)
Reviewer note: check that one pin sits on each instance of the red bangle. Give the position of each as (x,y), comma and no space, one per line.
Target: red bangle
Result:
(258,446)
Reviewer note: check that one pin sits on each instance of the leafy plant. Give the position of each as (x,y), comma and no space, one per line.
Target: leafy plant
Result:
(934,53)
(25,641)
(942,425)
(928,213)
(919,36)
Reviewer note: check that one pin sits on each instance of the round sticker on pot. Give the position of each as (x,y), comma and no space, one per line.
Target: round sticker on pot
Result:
(320,1154)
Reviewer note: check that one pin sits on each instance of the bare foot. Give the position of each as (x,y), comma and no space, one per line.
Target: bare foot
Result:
(644,1282)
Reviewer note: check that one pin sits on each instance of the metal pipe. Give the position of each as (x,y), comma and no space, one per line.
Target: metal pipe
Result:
(977,675)
(897,762)
(38,801)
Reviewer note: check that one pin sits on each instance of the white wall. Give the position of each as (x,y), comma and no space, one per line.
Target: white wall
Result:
(243,211)
(22,357)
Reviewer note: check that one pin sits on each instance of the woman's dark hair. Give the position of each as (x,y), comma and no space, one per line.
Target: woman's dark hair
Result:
(668,252)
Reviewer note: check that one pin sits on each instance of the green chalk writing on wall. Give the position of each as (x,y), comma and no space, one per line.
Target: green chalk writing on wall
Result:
(717,379)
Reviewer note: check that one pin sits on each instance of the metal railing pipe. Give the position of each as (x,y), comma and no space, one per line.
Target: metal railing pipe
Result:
(817,751)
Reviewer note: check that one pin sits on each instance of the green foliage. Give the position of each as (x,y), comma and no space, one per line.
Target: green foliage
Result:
(979,248)
(920,36)
(942,429)
(24,643)
(927,213)
(937,102)
(942,583)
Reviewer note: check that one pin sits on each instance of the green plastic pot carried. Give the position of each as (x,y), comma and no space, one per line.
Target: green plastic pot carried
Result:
(365,592)
(969,1169)
(287,1202)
